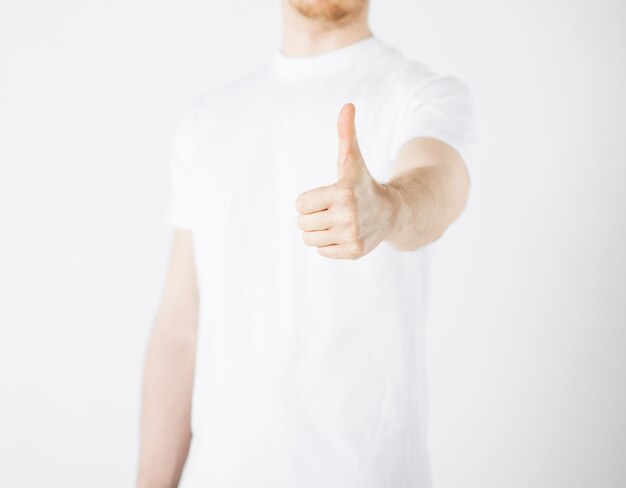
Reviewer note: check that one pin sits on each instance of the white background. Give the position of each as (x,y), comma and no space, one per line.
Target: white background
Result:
(527,340)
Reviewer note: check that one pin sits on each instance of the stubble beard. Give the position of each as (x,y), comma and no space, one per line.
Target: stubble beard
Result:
(329,10)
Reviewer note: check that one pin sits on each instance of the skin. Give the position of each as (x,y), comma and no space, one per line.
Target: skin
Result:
(169,371)
(344,220)
(351,217)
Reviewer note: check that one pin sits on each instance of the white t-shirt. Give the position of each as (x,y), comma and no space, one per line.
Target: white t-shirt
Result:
(310,371)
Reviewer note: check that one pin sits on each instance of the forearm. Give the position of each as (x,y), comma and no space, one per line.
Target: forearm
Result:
(166,404)
(425,201)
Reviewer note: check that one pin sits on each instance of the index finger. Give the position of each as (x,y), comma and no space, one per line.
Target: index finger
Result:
(315,200)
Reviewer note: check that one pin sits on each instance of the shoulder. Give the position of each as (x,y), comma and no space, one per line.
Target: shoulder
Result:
(410,79)
(428,103)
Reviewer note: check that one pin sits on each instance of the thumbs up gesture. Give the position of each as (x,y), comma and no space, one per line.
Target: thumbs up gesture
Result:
(349,218)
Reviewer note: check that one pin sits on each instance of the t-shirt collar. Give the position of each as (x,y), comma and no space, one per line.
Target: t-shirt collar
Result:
(297,67)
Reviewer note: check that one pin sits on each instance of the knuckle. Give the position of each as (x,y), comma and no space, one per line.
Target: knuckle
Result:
(349,253)
(341,217)
(347,215)
(354,250)
(346,195)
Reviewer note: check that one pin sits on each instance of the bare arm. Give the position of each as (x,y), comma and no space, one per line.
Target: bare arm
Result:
(351,217)
(168,373)
(429,191)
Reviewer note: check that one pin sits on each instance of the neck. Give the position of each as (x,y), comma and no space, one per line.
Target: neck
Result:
(302,36)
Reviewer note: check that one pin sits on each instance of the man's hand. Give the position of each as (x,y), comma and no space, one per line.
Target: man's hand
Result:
(349,218)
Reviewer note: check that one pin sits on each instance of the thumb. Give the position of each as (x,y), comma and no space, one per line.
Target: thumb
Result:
(350,159)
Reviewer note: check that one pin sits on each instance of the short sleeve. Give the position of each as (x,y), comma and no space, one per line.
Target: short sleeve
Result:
(180,207)
(441,107)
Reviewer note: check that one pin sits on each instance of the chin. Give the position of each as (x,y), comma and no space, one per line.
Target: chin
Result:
(328,10)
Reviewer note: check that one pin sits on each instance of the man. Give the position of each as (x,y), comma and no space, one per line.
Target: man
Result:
(305,195)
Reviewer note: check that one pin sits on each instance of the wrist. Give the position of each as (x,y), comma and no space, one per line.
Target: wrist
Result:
(391,203)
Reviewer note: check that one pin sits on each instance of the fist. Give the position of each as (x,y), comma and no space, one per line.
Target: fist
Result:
(349,218)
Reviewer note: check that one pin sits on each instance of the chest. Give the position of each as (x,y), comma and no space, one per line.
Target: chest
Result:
(255,157)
